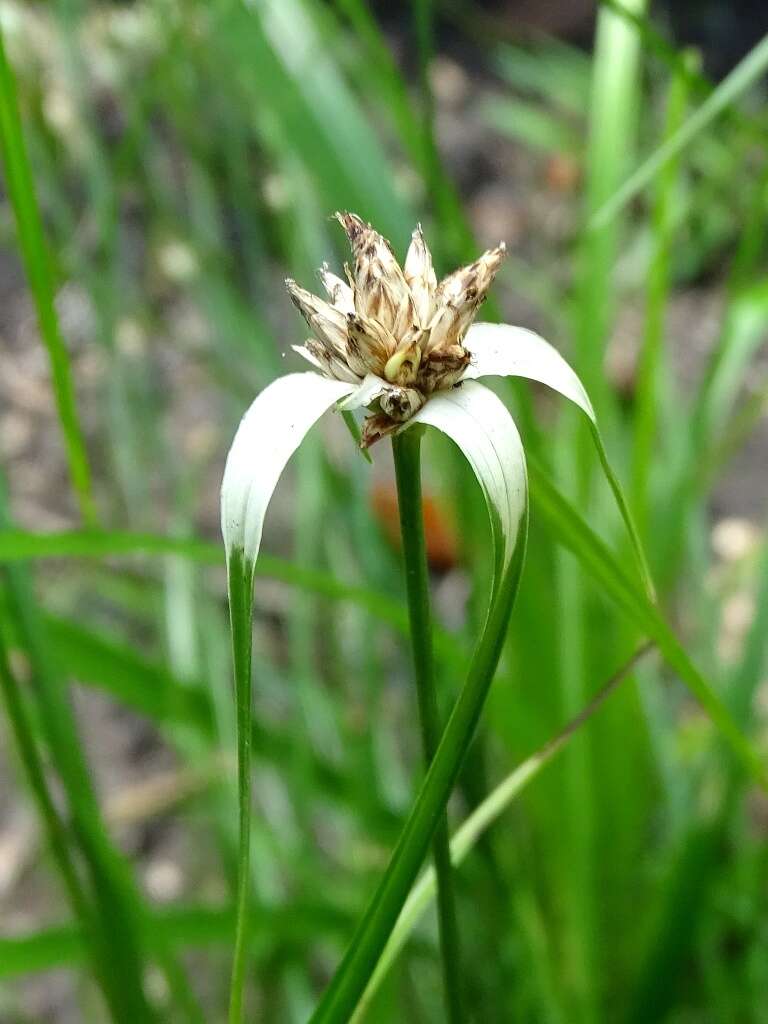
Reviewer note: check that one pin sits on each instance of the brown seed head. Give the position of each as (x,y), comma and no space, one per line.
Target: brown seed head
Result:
(397,324)
(381,292)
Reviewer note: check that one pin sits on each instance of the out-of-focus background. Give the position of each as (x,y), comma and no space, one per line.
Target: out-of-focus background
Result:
(187,156)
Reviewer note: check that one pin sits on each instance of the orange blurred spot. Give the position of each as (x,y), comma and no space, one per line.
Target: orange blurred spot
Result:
(442,544)
(562,173)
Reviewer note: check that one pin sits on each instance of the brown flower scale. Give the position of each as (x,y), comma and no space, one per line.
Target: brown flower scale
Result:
(396,327)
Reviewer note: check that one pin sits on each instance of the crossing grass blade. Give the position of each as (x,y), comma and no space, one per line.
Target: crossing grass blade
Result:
(181,927)
(482,818)
(596,559)
(109,885)
(734,85)
(369,941)
(118,905)
(23,545)
(37,263)
(651,363)
(56,832)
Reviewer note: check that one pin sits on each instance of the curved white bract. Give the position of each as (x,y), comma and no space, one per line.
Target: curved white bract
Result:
(269,433)
(479,423)
(500,350)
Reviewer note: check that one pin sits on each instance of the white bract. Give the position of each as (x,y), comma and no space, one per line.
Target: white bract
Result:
(402,345)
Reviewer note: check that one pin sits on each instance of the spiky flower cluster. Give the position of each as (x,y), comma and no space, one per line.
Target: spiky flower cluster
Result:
(395,325)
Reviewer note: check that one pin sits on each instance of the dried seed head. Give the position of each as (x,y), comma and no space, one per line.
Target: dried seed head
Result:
(400,326)
(381,292)
(443,368)
(338,291)
(459,296)
(329,363)
(397,406)
(420,277)
(327,323)
(401,403)
(371,341)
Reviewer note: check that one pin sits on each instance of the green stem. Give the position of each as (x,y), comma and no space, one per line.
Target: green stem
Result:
(21,191)
(118,907)
(406,451)
(651,361)
(240,583)
(368,943)
(54,826)
(480,820)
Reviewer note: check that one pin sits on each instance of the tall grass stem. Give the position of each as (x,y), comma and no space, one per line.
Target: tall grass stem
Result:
(36,260)
(406,449)
(370,939)
(240,583)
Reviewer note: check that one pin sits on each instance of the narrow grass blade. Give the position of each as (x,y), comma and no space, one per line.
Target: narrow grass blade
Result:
(597,559)
(180,927)
(613,107)
(353,974)
(651,359)
(21,189)
(745,74)
(117,906)
(56,831)
(502,350)
(240,590)
(406,450)
(151,690)
(481,819)
(23,545)
(690,886)
(341,154)
(117,902)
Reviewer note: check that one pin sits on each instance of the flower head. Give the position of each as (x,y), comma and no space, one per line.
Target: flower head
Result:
(395,325)
(394,341)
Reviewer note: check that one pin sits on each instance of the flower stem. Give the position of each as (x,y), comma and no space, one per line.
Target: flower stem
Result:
(240,585)
(406,450)
(368,942)
(55,827)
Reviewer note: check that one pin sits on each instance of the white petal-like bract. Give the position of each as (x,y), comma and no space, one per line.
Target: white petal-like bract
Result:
(500,350)
(269,433)
(480,424)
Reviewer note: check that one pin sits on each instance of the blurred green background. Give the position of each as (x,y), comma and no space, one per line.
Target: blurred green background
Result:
(186,157)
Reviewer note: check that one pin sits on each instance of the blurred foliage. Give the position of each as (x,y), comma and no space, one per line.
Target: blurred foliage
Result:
(186,158)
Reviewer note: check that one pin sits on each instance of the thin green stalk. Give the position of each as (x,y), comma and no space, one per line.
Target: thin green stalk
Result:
(55,828)
(613,104)
(638,552)
(650,362)
(368,943)
(744,75)
(423,32)
(406,450)
(21,190)
(22,545)
(574,533)
(118,904)
(240,586)
(480,820)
